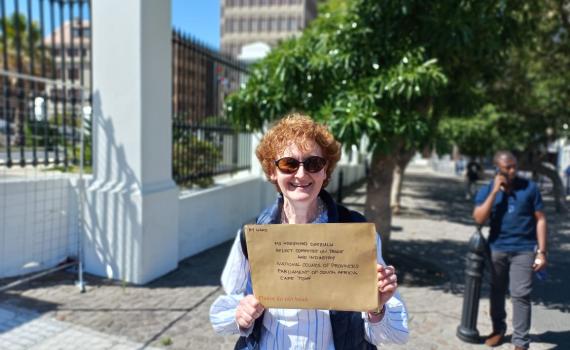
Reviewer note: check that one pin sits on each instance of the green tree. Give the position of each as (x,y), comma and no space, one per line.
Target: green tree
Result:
(21,42)
(20,34)
(385,70)
(195,158)
(529,104)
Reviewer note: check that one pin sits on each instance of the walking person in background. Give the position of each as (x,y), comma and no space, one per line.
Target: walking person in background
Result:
(471,176)
(517,239)
(298,156)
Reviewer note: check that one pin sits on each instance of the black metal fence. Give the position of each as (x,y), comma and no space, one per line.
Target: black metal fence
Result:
(204,142)
(45,49)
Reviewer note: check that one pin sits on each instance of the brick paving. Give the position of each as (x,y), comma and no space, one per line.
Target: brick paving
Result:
(428,246)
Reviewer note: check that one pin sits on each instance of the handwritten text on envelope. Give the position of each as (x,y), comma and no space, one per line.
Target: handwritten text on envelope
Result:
(314,266)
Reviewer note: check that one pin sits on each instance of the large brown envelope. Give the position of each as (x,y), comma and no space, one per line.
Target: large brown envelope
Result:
(314,266)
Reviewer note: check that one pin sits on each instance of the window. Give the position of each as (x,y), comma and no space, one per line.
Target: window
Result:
(264,24)
(292,24)
(250,24)
(73,73)
(283,26)
(77,32)
(73,52)
(274,23)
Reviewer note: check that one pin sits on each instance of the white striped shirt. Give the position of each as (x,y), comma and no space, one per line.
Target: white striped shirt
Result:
(297,328)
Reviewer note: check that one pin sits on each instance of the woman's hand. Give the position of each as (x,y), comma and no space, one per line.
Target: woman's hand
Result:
(387,285)
(387,282)
(248,310)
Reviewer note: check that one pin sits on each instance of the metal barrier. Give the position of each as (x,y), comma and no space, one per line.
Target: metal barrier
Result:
(205,144)
(48,40)
(45,78)
(41,201)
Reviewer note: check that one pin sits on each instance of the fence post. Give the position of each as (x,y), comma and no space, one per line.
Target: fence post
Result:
(132,203)
(339,189)
(467,330)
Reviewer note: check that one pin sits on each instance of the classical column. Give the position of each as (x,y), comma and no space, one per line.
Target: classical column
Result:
(132,201)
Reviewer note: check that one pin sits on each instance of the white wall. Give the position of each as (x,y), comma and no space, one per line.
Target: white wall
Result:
(209,217)
(39,219)
(563,158)
(38,223)
(442,164)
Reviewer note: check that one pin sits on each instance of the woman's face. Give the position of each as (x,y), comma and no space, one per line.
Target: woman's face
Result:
(300,187)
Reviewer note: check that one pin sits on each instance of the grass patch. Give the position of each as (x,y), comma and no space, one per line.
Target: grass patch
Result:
(166,341)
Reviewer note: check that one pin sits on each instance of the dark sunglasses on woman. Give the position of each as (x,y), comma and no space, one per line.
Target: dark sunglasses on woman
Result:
(289,165)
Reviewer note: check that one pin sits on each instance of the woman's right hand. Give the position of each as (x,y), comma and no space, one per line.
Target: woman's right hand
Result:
(248,310)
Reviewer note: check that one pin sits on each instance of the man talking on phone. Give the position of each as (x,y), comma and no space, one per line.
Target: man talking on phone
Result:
(517,240)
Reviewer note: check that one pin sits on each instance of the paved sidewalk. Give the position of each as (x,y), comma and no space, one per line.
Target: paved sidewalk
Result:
(428,246)
(25,329)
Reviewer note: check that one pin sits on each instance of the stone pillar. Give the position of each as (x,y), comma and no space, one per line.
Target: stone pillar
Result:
(132,201)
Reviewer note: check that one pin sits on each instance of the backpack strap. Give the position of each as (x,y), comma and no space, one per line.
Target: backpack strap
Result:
(243,243)
(343,213)
(347,215)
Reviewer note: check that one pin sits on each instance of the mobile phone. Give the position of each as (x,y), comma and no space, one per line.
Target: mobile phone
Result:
(506,176)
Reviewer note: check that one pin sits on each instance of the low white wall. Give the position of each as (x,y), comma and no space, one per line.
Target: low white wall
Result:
(443,164)
(39,217)
(38,223)
(212,216)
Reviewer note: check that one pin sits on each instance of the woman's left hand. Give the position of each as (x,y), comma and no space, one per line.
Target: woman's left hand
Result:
(387,283)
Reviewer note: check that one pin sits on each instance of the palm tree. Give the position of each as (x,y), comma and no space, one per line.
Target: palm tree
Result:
(21,52)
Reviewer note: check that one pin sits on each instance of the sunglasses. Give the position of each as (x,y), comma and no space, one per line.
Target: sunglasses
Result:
(289,165)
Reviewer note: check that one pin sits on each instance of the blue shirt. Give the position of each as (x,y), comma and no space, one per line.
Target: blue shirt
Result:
(513,225)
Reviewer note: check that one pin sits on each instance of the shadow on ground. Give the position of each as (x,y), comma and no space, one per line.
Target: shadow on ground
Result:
(203,269)
(561,339)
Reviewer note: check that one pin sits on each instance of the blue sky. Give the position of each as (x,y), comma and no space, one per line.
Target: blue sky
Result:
(199,18)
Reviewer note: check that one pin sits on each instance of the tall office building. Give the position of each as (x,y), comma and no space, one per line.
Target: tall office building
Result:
(244,22)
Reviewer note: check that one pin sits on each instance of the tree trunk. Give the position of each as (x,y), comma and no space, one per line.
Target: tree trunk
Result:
(536,165)
(402,160)
(378,195)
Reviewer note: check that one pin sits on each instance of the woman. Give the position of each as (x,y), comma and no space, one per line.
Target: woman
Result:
(298,156)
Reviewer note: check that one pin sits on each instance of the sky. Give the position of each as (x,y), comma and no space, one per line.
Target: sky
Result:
(198,18)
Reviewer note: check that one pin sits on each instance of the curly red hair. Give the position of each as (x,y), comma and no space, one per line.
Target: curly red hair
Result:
(299,130)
